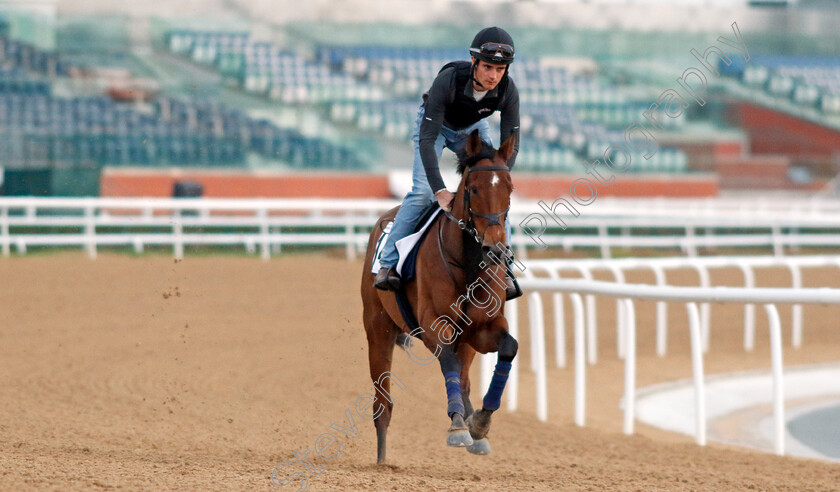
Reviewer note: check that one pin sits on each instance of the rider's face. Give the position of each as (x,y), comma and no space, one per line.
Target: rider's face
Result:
(488,75)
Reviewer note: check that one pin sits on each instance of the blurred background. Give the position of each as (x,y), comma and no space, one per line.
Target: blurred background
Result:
(274,98)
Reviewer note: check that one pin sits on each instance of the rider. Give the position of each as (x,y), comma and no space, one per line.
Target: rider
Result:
(462,95)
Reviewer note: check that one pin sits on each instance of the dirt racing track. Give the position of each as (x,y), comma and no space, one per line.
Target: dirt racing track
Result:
(205,374)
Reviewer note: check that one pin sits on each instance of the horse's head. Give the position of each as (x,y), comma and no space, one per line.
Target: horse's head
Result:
(485,191)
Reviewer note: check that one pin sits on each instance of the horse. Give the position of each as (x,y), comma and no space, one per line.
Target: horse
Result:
(464,252)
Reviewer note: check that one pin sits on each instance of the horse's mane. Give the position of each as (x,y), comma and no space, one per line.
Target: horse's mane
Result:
(465,161)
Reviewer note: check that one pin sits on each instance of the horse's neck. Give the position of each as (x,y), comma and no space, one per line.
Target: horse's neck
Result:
(452,233)
(463,246)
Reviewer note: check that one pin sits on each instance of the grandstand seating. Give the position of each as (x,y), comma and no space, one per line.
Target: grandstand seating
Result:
(807,80)
(564,116)
(30,59)
(44,131)
(97,131)
(377,89)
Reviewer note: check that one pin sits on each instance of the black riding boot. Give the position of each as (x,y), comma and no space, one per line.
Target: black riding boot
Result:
(387,279)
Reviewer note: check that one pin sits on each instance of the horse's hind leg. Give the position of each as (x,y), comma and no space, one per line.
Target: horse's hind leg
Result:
(381,335)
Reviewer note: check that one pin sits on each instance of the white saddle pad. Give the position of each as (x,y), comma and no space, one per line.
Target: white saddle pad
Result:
(404,245)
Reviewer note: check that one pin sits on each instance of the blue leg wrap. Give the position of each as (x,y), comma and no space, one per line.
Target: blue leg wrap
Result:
(453,394)
(493,398)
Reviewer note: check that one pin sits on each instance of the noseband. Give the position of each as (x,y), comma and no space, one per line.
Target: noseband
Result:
(492,219)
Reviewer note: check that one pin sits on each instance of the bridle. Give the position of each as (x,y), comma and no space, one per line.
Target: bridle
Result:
(469,224)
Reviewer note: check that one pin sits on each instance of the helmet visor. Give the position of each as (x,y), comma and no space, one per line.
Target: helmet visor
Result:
(495,52)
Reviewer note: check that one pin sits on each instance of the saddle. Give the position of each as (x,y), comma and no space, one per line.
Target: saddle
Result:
(407,267)
(408,246)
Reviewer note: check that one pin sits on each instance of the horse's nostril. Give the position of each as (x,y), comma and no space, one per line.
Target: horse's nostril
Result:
(485,249)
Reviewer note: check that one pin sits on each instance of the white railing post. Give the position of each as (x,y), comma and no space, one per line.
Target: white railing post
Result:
(705,308)
(604,239)
(749,309)
(580,360)
(661,315)
(138,245)
(90,231)
(778,247)
(778,381)
(690,244)
(537,334)
(533,300)
(591,319)
(177,234)
(559,323)
(512,316)
(796,310)
(620,314)
(629,367)
(265,244)
(278,241)
(4,231)
(697,370)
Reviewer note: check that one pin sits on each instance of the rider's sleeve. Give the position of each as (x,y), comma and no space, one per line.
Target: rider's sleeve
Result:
(510,119)
(440,94)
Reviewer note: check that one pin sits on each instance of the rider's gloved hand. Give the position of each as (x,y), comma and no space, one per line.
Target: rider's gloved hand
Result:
(445,199)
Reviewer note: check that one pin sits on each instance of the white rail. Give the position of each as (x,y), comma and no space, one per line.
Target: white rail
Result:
(269,224)
(769,297)
(252,223)
(659,267)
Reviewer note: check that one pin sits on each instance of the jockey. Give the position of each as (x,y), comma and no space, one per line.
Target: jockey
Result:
(462,95)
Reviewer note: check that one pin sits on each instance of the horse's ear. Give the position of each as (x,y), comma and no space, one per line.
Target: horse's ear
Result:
(474,144)
(506,150)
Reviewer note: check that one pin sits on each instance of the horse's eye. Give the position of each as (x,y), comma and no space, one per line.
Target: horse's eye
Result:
(473,190)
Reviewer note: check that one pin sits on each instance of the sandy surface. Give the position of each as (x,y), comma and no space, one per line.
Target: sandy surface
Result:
(144,373)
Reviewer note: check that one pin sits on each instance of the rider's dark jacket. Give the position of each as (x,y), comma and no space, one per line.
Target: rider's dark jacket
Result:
(450,102)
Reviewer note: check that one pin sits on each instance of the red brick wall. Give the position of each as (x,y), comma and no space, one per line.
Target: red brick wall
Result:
(246,185)
(128,183)
(772,132)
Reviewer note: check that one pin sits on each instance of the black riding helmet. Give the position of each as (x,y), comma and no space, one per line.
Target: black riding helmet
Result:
(493,45)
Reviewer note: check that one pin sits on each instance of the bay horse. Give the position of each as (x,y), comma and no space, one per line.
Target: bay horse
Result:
(463,253)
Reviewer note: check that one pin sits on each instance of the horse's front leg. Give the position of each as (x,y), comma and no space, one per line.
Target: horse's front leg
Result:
(479,423)
(459,434)
(439,339)
(466,354)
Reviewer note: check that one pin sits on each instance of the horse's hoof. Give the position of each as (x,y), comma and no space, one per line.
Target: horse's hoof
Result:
(480,446)
(479,423)
(459,438)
